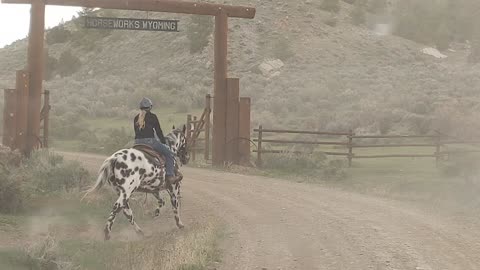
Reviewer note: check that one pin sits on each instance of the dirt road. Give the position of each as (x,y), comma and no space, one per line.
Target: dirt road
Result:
(275,224)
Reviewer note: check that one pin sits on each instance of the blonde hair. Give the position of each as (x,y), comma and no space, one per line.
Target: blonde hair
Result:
(141,119)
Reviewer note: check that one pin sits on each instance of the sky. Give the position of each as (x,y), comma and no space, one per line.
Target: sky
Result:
(15,20)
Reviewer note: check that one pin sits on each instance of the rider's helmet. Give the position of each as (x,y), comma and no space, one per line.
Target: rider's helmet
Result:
(146,104)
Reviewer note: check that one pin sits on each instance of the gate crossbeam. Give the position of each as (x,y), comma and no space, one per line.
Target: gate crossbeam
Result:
(152,5)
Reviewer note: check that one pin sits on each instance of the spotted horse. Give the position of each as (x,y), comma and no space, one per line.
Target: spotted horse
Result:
(131,170)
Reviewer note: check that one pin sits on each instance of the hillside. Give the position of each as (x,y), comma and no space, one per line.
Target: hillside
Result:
(335,76)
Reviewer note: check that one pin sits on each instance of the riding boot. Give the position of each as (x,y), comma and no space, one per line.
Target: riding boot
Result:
(172,179)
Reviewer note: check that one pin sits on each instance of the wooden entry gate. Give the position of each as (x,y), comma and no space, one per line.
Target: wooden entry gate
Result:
(36,59)
(238,129)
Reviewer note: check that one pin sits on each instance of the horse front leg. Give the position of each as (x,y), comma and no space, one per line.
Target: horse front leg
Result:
(160,201)
(127,211)
(173,192)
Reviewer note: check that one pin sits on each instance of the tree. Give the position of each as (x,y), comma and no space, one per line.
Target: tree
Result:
(199,32)
(331,5)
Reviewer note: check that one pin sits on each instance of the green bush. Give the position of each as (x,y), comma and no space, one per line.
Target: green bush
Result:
(331,5)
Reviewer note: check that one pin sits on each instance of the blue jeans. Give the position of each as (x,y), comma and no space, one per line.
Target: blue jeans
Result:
(162,149)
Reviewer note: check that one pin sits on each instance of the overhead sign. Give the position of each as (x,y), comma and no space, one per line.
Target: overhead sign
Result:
(131,24)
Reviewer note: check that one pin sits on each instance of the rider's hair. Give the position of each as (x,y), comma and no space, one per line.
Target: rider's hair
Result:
(141,119)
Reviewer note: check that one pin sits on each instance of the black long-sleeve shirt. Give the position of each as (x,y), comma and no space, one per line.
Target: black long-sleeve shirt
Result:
(151,124)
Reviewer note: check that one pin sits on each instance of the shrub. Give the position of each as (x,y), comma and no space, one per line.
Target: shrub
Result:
(58,35)
(331,5)
(43,173)
(115,140)
(198,33)
(68,64)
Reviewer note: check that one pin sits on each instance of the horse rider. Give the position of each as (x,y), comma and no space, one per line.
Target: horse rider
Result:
(146,125)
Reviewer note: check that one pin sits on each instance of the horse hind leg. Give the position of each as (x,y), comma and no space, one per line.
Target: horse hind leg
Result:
(127,211)
(173,192)
(160,201)
(111,219)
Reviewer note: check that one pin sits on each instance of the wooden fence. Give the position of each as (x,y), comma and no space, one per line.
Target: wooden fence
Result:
(345,144)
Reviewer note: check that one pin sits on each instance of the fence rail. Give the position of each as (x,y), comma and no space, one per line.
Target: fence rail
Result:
(349,141)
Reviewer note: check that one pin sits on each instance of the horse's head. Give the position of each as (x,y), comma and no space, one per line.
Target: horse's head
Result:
(177,140)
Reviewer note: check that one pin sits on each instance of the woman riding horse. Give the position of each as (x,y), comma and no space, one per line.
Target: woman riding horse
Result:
(146,125)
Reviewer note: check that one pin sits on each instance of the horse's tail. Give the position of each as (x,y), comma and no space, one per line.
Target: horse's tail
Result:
(105,173)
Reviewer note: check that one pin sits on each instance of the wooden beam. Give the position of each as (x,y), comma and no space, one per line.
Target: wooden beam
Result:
(23,103)
(232,135)
(35,60)
(152,5)
(220,90)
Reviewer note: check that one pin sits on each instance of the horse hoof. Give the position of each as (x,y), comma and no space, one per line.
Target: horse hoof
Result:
(107,237)
(180,225)
(141,233)
(157,213)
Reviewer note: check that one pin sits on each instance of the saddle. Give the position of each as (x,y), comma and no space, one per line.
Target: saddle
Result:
(152,155)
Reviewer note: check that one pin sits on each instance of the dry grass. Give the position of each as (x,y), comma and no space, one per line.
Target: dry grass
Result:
(194,248)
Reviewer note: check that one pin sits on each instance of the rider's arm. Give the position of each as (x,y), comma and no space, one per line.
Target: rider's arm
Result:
(158,130)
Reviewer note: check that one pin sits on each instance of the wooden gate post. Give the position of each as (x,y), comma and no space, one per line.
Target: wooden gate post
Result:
(10,118)
(194,139)
(244,131)
(46,117)
(208,105)
(259,148)
(23,105)
(220,93)
(36,67)
(232,134)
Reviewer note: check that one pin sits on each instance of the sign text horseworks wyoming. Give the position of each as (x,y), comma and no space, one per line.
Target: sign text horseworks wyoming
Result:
(131,24)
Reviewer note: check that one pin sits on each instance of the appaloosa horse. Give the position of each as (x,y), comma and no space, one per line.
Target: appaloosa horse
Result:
(132,170)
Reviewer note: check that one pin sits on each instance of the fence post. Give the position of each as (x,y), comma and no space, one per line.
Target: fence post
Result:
(350,148)
(46,107)
(207,126)
(194,142)
(259,148)
(437,150)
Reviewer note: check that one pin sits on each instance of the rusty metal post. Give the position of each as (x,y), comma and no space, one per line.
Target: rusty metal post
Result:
(10,118)
(220,79)
(208,105)
(232,134)
(46,117)
(36,68)
(22,85)
(244,131)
